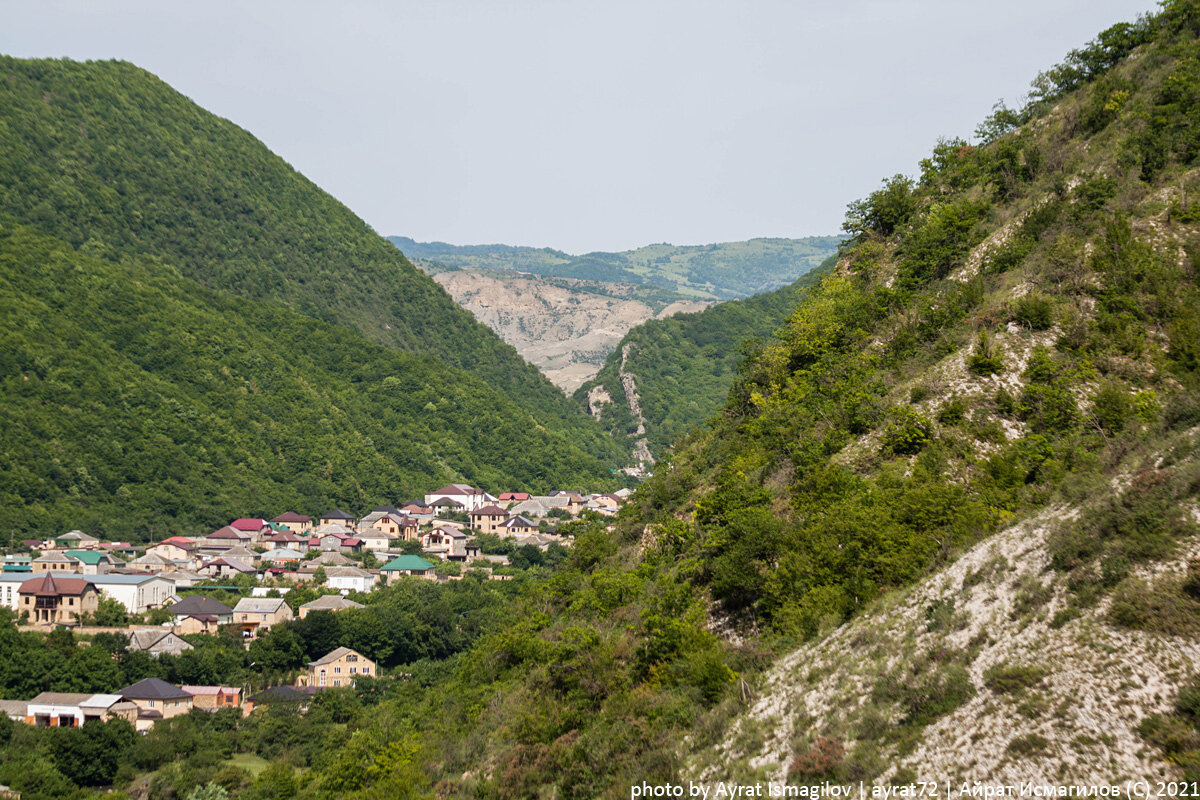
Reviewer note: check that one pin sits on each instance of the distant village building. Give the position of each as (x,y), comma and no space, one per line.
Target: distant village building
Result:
(72,709)
(328,602)
(51,599)
(407,565)
(338,668)
(252,614)
(157,641)
(467,498)
(350,579)
(488,519)
(214,698)
(337,517)
(296,523)
(156,699)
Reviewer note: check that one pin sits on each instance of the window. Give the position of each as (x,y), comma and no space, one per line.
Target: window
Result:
(353,670)
(337,670)
(366,670)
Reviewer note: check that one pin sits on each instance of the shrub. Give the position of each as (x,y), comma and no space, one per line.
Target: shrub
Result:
(1009,678)
(987,357)
(818,762)
(1034,311)
(1028,745)
(906,432)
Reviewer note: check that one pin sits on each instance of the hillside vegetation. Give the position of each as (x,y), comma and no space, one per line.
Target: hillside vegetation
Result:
(681,367)
(139,403)
(723,271)
(108,158)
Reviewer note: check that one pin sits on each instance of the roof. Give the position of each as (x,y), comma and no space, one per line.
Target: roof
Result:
(284,694)
(337,513)
(261,605)
(55,557)
(334,655)
(282,554)
(61,698)
(199,604)
(210,690)
(446,502)
(14,708)
(227,533)
(291,516)
(519,522)
(232,563)
(145,638)
(77,536)
(489,511)
(50,586)
(386,510)
(90,557)
(333,528)
(248,524)
(514,496)
(153,558)
(331,602)
(334,559)
(101,701)
(111,579)
(347,572)
(407,562)
(153,689)
(178,540)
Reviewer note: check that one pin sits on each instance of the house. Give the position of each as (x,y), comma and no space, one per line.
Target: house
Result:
(183,578)
(328,602)
(71,709)
(405,565)
(121,550)
(56,561)
(253,527)
(138,593)
(54,599)
(16,710)
(415,509)
(286,539)
(156,699)
(241,553)
(10,588)
(337,517)
(487,519)
(214,698)
(93,562)
(374,540)
(466,496)
(518,526)
(449,544)
(227,568)
(532,507)
(539,540)
(330,560)
(77,540)
(196,623)
(201,605)
(282,557)
(222,539)
(575,502)
(151,563)
(509,499)
(17,562)
(296,523)
(252,614)
(350,579)
(339,668)
(298,696)
(157,641)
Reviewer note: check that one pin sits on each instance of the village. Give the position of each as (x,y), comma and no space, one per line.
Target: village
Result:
(158,595)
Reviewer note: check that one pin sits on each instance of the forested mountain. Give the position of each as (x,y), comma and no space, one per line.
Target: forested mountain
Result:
(105,156)
(192,330)
(680,368)
(723,271)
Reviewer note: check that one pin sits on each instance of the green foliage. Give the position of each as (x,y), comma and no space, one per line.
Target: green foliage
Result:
(884,211)
(1012,678)
(987,358)
(940,241)
(906,432)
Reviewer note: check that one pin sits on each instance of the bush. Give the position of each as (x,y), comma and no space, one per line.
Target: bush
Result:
(1009,678)
(987,358)
(1034,311)
(906,432)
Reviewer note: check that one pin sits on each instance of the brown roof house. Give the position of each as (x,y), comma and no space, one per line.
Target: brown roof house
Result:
(156,699)
(53,600)
(488,519)
(338,668)
(296,523)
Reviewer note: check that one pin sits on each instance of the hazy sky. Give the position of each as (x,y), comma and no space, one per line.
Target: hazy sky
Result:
(585,126)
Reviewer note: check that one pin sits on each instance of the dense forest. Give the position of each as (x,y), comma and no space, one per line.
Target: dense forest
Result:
(724,271)
(192,332)
(683,366)
(108,158)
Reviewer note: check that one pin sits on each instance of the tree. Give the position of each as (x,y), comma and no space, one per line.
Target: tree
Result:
(110,613)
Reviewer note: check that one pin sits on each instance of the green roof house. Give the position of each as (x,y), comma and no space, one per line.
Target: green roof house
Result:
(406,565)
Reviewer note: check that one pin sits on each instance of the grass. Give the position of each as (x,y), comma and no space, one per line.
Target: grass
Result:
(249,762)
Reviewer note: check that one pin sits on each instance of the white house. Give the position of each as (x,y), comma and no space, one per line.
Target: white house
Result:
(350,579)
(136,592)
(470,497)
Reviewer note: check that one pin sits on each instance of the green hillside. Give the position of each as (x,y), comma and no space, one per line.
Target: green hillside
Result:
(104,155)
(724,271)
(138,403)
(683,366)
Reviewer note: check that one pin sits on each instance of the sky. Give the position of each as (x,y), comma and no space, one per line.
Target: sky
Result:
(583,126)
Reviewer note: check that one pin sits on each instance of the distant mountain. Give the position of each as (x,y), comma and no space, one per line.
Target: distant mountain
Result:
(244,312)
(667,376)
(724,271)
(564,326)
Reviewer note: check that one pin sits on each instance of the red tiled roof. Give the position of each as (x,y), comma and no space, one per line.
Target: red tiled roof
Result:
(248,524)
(49,586)
(515,496)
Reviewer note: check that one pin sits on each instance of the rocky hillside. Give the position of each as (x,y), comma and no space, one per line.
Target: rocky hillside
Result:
(563,326)
(724,271)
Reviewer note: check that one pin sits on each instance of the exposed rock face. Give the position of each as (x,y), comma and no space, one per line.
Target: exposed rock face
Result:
(565,328)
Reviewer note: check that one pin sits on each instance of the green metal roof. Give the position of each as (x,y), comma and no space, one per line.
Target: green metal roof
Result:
(407,562)
(89,557)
